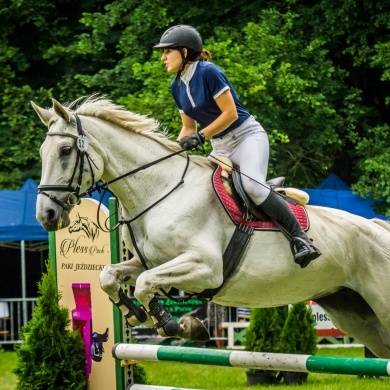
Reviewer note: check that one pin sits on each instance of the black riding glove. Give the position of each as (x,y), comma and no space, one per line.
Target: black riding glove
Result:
(192,141)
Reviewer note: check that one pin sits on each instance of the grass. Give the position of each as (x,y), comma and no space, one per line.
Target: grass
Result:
(231,378)
(7,364)
(222,378)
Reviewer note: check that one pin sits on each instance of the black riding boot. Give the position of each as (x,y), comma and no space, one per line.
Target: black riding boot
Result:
(301,245)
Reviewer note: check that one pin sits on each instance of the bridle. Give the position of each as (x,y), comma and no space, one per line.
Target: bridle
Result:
(82,154)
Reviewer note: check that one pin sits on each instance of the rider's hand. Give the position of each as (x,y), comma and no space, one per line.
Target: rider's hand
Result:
(192,141)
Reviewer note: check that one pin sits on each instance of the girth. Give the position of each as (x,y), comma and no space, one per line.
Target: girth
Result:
(231,257)
(238,207)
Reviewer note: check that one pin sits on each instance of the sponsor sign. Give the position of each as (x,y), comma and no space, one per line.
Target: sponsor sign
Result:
(82,250)
(324,325)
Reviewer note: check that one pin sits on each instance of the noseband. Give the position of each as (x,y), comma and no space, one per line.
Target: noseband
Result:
(82,154)
(82,146)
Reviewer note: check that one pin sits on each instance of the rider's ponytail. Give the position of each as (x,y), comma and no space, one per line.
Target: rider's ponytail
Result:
(206,55)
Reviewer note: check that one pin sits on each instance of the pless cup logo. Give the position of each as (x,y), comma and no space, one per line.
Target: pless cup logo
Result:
(86,232)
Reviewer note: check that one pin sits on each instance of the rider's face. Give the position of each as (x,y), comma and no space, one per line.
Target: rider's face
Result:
(172,59)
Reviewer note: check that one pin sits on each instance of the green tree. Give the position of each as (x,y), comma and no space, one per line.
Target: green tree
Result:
(316,74)
(124,32)
(317,88)
(263,333)
(32,69)
(298,334)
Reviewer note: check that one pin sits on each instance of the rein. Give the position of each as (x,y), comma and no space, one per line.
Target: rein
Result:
(82,146)
(128,222)
(104,186)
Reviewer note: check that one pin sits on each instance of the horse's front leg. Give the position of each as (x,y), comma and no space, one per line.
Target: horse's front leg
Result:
(186,272)
(111,278)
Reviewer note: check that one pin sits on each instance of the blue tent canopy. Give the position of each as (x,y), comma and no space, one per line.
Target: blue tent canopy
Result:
(18,221)
(334,193)
(333,182)
(19,227)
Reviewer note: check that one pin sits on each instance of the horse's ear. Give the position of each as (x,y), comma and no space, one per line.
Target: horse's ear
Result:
(44,115)
(61,111)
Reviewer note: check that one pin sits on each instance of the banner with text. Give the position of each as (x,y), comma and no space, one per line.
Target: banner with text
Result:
(82,251)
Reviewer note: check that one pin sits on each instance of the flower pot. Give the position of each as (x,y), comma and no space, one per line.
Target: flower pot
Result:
(294,378)
(258,378)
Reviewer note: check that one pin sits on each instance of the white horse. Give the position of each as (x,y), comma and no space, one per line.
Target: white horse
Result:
(180,230)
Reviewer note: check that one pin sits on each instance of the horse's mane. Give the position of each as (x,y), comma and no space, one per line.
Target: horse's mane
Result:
(103,108)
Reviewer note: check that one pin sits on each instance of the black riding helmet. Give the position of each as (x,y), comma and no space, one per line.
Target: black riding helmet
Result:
(181,36)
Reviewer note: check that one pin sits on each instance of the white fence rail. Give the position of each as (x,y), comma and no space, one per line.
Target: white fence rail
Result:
(14,313)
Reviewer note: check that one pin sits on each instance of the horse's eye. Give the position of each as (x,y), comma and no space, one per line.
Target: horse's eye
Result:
(66,150)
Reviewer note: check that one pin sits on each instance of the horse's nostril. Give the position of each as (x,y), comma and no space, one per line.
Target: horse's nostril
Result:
(50,214)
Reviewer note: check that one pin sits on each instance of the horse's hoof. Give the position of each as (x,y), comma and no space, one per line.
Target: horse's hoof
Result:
(192,328)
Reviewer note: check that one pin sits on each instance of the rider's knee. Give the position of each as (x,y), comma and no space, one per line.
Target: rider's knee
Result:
(257,192)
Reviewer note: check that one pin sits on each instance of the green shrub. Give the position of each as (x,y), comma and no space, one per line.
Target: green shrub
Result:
(299,334)
(265,327)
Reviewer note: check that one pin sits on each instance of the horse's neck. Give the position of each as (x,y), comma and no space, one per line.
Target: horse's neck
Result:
(126,152)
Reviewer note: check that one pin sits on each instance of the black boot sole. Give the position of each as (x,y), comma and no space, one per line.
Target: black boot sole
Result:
(304,261)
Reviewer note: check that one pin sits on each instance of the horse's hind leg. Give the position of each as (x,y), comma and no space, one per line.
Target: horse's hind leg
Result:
(350,313)
(112,276)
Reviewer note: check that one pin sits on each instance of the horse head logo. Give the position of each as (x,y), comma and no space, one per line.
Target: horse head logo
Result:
(86,225)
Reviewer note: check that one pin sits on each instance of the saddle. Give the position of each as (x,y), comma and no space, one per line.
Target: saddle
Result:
(239,207)
(227,185)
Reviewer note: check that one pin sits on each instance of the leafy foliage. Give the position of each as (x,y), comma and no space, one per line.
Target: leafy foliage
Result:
(315,74)
(373,182)
(139,374)
(298,335)
(50,357)
(265,327)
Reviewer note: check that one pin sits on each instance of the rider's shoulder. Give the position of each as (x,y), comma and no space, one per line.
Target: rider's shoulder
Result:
(209,69)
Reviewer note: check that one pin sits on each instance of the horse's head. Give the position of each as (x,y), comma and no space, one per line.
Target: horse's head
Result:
(69,166)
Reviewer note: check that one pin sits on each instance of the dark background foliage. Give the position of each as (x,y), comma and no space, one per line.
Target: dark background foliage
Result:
(314,73)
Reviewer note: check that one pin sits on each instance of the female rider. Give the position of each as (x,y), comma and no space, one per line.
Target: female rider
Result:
(204,95)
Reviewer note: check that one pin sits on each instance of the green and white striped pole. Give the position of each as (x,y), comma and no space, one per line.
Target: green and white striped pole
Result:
(151,387)
(254,360)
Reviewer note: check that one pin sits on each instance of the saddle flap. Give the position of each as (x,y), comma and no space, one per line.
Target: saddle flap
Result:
(240,213)
(239,190)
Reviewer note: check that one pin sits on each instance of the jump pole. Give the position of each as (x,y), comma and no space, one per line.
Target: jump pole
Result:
(151,387)
(133,353)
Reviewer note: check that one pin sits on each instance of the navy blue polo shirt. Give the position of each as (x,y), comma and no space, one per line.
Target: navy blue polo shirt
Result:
(199,87)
